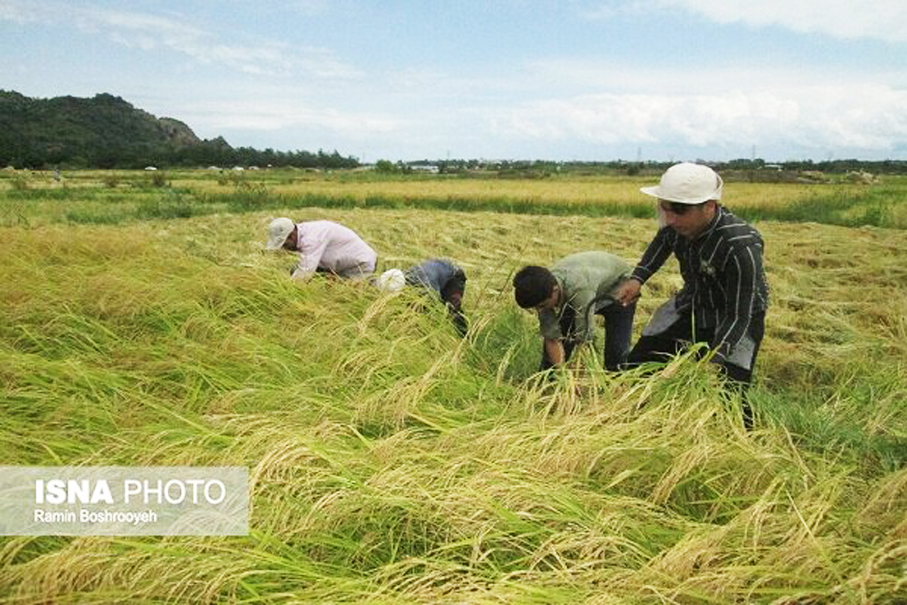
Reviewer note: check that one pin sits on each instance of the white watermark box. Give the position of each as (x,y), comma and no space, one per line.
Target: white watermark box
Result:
(124,501)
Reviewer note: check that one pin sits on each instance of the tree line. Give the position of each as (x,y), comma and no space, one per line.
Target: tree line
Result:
(546,167)
(137,156)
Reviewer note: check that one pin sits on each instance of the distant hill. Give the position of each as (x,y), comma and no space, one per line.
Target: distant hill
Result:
(106,131)
(103,131)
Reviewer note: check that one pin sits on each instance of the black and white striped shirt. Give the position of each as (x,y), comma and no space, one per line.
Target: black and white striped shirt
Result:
(724,282)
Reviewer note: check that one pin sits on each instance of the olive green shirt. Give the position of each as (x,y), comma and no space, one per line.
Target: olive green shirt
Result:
(582,277)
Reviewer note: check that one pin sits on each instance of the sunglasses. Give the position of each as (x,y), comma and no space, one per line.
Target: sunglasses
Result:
(676,207)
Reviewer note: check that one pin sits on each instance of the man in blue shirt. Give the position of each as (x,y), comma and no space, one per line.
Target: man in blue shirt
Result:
(444,280)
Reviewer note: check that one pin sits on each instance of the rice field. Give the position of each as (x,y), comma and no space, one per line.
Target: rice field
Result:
(98,197)
(389,460)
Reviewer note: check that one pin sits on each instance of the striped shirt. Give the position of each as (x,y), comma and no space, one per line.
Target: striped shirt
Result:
(723,278)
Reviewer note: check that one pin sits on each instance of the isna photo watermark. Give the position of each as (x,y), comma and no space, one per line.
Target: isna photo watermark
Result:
(116,500)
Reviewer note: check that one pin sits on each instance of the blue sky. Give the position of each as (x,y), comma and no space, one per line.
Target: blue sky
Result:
(515,79)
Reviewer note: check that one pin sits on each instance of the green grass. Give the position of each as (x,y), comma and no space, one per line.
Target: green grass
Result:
(879,205)
(391,461)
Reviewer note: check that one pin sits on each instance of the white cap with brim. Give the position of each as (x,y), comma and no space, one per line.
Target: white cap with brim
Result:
(278,232)
(687,183)
(391,280)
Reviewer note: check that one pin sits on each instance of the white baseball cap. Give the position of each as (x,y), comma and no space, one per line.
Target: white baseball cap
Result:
(278,232)
(687,183)
(391,280)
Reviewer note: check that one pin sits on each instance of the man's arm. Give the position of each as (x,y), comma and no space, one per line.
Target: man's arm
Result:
(549,326)
(658,251)
(554,350)
(653,258)
(312,249)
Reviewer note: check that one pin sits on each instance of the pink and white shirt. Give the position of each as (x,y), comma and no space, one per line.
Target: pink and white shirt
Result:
(332,247)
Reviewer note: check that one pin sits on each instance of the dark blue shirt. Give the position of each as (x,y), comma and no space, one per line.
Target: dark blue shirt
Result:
(433,274)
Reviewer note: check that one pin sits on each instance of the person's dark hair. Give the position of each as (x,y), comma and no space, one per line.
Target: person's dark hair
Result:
(456,284)
(532,285)
(452,295)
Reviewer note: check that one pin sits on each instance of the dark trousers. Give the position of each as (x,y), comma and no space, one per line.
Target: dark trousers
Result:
(679,335)
(618,329)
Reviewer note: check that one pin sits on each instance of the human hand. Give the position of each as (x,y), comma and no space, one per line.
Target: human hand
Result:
(628,292)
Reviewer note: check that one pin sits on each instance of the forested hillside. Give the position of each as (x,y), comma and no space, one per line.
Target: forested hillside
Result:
(106,131)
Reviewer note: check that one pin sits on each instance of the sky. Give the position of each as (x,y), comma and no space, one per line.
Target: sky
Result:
(583,80)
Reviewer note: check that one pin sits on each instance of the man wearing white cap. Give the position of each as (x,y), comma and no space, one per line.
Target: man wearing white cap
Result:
(324,246)
(724,296)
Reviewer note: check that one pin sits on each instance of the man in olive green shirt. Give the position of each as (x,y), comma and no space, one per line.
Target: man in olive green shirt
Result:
(568,296)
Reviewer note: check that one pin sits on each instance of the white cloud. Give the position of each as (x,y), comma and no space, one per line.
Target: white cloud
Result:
(281,114)
(322,63)
(821,118)
(622,77)
(151,32)
(846,19)
(307,8)
(604,11)
(17,12)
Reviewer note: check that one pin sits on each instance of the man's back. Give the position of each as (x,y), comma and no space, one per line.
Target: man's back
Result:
(433,274)
(332,247)
(586,275)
